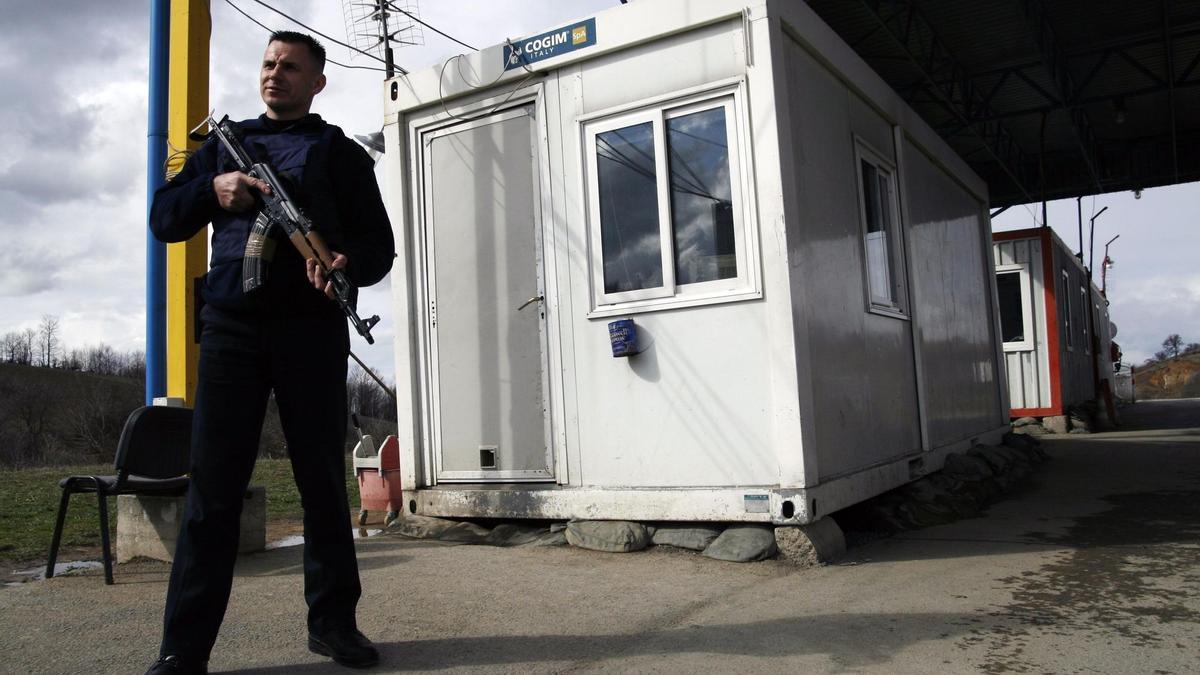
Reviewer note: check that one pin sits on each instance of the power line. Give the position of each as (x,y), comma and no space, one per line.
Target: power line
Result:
(327,37)
(418,20)
(271,30)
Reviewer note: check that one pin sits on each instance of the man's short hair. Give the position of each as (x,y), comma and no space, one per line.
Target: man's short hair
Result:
(292,37)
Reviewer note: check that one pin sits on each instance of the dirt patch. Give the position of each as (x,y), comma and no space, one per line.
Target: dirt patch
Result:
(1175,378)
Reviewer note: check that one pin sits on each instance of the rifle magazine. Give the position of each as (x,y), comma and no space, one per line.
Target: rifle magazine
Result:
(260,251)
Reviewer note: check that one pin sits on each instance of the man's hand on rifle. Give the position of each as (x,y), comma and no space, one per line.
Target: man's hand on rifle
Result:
(317,277)
(233,190)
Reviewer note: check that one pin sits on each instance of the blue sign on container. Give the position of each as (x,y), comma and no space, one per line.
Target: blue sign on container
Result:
(557,42)
(623,335)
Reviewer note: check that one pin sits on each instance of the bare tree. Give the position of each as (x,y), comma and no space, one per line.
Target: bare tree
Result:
(1192,348)
(28,340)
(72,359)
(366,397)
(101,360)
(132,365)
(1173,345)
(8,347)
(48,340)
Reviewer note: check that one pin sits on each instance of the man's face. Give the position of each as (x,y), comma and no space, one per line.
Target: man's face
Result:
(289,80)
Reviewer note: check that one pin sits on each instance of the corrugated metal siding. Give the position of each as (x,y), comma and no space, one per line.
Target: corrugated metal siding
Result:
(1028,370)
(1075,362)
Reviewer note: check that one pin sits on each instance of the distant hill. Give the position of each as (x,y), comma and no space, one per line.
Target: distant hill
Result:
(1173,378)
(52,416)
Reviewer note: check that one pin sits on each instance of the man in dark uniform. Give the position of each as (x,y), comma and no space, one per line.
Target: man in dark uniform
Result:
(286,337)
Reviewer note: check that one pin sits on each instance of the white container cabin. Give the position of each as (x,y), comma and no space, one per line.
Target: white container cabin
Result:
(807,263)
(1057,353)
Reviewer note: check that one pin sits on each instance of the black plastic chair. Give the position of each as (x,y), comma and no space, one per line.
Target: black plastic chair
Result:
(153,458)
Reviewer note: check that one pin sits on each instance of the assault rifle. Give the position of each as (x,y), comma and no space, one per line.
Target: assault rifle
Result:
(279,209)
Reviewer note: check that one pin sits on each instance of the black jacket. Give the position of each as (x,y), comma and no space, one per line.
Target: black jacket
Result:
(337,190)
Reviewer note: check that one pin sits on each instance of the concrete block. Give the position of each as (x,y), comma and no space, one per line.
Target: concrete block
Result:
(813,544)
(1055,424)
(148,526)
(1030,430)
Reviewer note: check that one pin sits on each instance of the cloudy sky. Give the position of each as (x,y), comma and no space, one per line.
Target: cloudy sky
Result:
(72,183)
(73,128)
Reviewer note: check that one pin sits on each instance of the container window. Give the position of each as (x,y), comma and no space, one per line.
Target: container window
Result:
(1016,312)
(1083,324)
(1012,314)
(628,195)
(1066,316)
(882,243)
(666,208)
(701,197)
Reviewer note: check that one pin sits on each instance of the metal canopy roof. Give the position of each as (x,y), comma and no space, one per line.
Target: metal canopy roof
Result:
(1045,99)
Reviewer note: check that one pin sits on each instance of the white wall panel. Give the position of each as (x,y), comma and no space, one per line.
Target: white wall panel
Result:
(864,380)
(694,409)
(692,59)
(952,280)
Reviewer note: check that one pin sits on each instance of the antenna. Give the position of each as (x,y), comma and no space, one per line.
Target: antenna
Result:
(373,25)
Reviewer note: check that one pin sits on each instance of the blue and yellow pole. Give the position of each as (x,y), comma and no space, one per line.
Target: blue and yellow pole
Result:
(191,27)
(156,152)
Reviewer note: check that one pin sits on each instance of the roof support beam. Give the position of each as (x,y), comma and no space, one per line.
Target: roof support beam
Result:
(1179,32)
(1170,64)
(950,83)
(1079,103)
(1063,85)
(1187,72)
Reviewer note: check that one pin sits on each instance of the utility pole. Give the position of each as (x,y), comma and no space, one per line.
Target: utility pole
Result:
(1092,242)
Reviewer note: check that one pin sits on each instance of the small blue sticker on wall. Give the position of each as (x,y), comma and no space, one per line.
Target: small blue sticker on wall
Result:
(557,42)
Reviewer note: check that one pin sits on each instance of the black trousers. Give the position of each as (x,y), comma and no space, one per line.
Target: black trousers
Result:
(242,360)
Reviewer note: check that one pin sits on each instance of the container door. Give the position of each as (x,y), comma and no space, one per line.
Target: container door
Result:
(485,313)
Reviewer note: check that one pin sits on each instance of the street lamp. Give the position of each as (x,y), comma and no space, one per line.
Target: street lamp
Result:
(1108,262)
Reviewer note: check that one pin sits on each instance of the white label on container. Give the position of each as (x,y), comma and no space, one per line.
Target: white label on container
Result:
(757,503)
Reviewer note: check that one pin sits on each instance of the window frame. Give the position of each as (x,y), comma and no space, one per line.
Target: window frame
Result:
(897,257)
(1085,319)
(1028,344)
(1067,311)
(658,111)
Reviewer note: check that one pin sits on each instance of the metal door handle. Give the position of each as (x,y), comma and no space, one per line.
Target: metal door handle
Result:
(530,301)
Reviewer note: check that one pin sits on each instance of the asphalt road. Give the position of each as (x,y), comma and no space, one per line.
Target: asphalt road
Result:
(1092,565)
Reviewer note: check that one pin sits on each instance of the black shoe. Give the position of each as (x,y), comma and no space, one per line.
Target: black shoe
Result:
(172,664)
(345,646)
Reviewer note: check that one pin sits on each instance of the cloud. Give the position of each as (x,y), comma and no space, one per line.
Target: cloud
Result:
(1156,307)
(73,130)
(68,112)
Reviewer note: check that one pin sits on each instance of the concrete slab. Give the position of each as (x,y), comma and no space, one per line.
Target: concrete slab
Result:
(1091,565)
(148,525)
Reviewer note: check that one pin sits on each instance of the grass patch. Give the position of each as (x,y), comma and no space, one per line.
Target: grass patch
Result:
(29,502)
